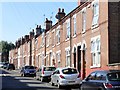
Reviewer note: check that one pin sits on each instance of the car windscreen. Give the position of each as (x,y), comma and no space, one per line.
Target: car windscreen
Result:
(69,71)
(29,67)
(114,76)
(49,68)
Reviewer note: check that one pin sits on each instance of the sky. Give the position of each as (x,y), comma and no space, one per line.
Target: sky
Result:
(19,17)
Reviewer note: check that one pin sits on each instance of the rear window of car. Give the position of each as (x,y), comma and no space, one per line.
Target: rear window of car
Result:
(29,67)
(69,71)
(49,68)
(114,76)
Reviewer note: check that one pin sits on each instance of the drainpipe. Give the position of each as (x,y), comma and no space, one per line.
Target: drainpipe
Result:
(70,41)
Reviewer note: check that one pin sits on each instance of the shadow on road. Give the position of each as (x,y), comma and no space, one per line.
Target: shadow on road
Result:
(16,83)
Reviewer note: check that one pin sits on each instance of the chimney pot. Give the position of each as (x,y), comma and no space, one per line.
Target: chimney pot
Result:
(59,10)
(37,26)
(63,10)
(46,19)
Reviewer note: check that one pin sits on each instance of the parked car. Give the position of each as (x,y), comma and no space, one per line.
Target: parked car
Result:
(10,66)
(5,65)
(28,71)
(1,64)
(102,80)
(44,73)
(65,76)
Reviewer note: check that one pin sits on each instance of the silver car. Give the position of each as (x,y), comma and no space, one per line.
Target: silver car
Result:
(44,73)
(65,76)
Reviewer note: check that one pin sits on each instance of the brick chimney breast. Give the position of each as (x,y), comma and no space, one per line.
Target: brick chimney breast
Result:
(32,34)
(48,24)
(38,30)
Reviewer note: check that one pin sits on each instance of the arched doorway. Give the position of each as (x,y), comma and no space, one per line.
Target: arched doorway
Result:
(79,58)
(74,55)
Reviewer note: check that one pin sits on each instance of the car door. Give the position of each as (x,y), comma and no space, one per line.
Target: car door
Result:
(38,74)
(88,83)
(100,79)
(55,76)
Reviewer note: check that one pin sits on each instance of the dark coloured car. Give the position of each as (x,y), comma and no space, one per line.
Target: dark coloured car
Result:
(28,71)
(102,80)
(10,66)
(5,65)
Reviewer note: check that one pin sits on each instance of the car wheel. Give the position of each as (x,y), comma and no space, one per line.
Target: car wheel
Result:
(81,88)
(41,79)
(21,75)
(24,75)
(58,85)
(52,83)
(100,88)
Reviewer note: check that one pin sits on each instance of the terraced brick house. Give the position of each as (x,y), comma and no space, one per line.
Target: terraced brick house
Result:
(88,38)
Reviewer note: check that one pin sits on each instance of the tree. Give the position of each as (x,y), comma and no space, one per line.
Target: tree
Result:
(5,47)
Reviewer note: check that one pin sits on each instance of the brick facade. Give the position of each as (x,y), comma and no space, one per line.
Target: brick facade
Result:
(82,39)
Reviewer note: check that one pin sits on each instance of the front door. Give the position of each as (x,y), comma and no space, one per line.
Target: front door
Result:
(79,58)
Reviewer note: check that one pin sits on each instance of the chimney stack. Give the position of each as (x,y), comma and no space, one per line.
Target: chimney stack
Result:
(23,40)
(60,14)
(26,38)
(38,30)
(48,24)
(32,34)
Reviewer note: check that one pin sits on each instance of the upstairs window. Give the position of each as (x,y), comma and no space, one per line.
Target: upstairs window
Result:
(47,39)
(95,12)
(53,38)
(74,22)
(83,20)
(58,58)
(68,29)
(58,35)
(36,43)
(43,39)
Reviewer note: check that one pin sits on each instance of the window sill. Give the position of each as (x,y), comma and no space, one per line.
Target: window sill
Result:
(53,46)
(67,39)
(47,46)
(95,66)
(74,35)
(58,44)
(94,26)
(114,64)
(42,45)
(83,32)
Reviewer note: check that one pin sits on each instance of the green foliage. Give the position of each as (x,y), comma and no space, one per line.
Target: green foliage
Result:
(5,47)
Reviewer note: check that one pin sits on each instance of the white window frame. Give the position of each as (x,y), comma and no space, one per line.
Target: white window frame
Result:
(68,29)
(67,50)
(43,39)
(53,38)
(83,20)
(36,43)
(95,20)
(50,57)
(95,51)
(28,47)
(58,57)
(58,35)
(47,39)
(75,25)
(42,59)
